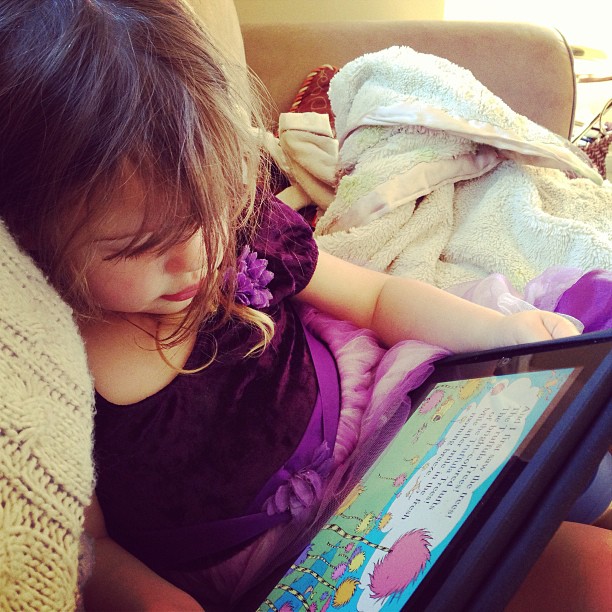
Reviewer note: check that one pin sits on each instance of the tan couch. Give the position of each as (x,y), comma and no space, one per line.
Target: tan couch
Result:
(530,67)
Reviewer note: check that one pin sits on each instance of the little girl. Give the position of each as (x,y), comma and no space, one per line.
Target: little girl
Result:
(238,371)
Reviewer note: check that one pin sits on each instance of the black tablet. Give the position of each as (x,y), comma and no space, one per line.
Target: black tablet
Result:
(463,500)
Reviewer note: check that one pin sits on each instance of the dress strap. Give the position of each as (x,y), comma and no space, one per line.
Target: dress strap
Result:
(185,544)
(322,427)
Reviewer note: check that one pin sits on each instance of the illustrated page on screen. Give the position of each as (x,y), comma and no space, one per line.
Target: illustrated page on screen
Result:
(377,548)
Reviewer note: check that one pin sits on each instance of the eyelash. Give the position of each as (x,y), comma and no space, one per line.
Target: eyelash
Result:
(119,256)
(122,256)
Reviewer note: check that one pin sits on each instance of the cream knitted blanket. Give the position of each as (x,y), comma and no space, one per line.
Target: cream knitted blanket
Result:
(46,471)
(440,180)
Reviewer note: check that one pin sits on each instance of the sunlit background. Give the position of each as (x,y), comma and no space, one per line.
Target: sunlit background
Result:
(583,23)
(587,26)
(587,23)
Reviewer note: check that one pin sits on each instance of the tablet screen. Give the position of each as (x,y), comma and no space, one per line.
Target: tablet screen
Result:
(431,485)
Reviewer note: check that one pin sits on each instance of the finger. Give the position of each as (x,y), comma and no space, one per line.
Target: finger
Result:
(558,326)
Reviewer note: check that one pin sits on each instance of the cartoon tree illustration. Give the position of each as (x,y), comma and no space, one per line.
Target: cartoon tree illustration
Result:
(398,480)
(366,523)
(340,570)
(351,498)
(384,520)
(345,591)
(443,408)
(403,563)
(431,401)
(471,387)
(498,388)
(357,560)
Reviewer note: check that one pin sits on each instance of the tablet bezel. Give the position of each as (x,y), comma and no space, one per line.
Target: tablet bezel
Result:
(479,557)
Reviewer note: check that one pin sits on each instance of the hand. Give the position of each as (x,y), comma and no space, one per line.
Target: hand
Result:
(120,581)
(531,326)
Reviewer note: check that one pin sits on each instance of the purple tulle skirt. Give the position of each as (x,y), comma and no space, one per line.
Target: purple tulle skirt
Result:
(586,298)
(374,383)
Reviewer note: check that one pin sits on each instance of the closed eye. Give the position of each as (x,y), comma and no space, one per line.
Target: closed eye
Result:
(122,248)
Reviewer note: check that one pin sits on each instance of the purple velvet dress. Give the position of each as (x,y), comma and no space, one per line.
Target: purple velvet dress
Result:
(223,475)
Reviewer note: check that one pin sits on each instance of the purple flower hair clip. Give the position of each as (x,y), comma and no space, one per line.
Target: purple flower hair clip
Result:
(252,278)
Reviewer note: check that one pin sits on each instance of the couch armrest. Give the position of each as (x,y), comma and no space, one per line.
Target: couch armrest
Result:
(530,67)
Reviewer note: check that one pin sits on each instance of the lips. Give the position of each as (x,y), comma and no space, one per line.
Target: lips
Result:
(181,296)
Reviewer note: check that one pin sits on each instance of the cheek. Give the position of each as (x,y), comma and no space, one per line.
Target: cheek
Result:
(120,286)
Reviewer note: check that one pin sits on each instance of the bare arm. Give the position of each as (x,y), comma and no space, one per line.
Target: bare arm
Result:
(399,308)
(121,582)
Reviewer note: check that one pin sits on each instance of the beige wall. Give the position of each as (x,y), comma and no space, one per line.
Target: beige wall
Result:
(260,11)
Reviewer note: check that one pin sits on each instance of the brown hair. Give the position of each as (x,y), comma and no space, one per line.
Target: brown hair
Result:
(87,86)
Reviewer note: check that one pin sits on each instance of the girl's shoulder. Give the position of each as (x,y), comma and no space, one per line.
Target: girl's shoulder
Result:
(285,240)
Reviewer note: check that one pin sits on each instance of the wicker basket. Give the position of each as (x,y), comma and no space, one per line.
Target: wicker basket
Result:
(596,139)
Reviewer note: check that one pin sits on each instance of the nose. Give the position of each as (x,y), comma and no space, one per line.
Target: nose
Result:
(187,256)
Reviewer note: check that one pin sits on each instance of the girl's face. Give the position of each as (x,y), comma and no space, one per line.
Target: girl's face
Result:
(151,282)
